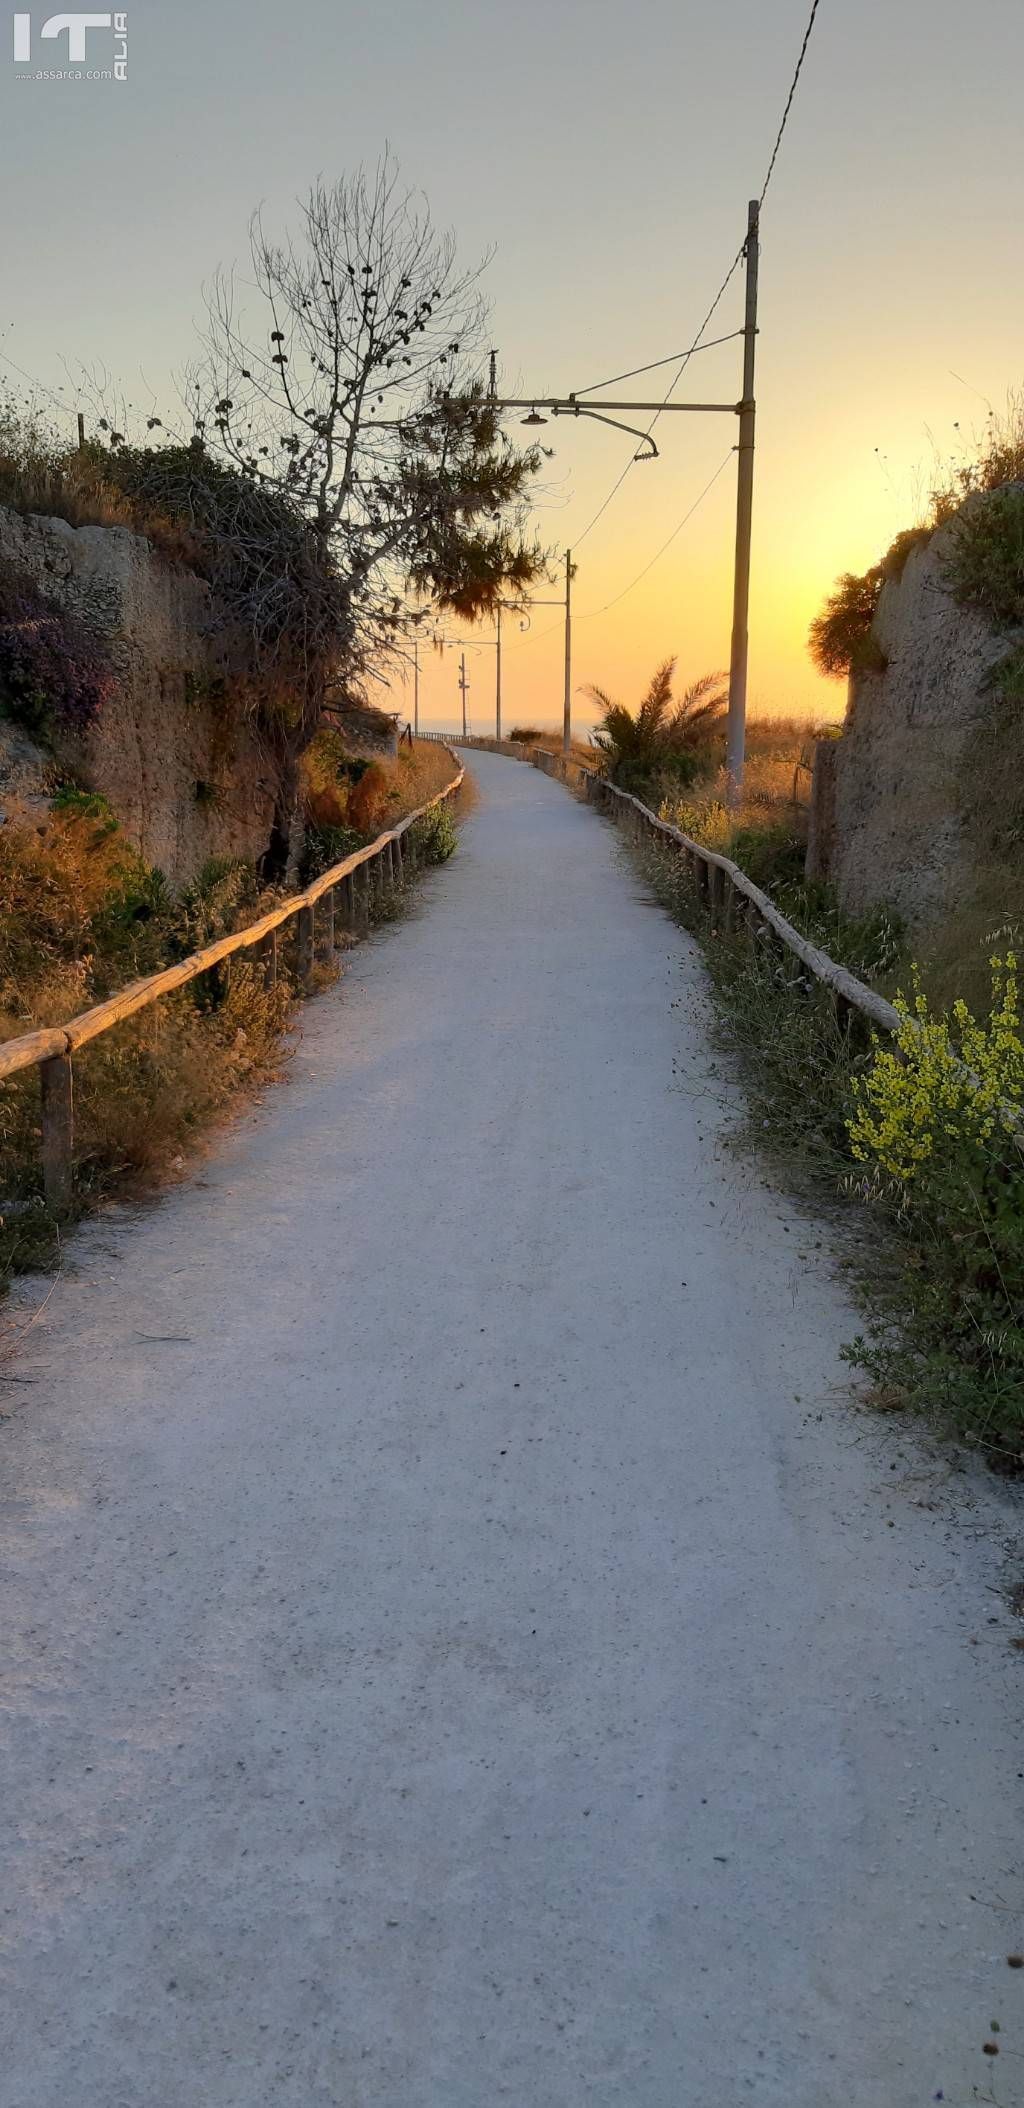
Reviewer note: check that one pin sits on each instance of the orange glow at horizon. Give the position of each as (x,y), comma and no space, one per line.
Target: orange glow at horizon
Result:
(600,162)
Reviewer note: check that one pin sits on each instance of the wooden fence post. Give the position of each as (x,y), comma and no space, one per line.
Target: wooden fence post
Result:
(304,955)
(843,1013)
(269,950)
(326,929)
(58,1110)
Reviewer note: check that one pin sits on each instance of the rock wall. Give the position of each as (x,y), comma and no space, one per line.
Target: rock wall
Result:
(891,826)
(366,730)
(180,764)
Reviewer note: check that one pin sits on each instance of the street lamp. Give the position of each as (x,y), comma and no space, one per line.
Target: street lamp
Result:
(571,408)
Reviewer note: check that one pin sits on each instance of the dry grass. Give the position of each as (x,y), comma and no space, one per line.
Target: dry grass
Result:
(983,462)
(81,915)
(418,774)
(776,788)
(60,489)
(40,474)
(347,791)
(777,782)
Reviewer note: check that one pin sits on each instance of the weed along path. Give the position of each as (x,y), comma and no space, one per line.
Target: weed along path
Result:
(462,1645)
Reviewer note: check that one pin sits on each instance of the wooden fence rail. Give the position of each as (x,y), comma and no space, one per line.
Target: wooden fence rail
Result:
(51,1050)
(726,891)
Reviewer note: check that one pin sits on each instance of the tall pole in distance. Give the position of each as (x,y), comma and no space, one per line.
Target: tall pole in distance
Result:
(497,680)
(567,703)
(744,514)
(463,684)
(416,686)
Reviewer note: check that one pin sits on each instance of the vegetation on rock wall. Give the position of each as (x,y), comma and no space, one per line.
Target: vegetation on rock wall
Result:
(936,1124)
(840,638)
(985,565)
(343,464)
(53,670)
(278,596)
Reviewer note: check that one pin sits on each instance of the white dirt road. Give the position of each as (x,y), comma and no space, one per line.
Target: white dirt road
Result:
(462,1644)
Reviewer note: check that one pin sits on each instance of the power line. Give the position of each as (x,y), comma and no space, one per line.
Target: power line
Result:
(696,345)
(592,613)
(655,363)
(789,101)
(670,391)
(665,545)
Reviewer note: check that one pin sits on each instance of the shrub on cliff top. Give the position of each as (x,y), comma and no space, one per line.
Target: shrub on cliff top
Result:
(272,575)
(840,639)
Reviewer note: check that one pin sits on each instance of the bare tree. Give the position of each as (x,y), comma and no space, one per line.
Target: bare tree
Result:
(343,467)
(353,397)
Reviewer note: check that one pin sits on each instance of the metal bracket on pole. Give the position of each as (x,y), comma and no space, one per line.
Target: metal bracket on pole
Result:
(745,410)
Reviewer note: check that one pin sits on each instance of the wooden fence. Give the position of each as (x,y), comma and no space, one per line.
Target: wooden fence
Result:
(726,892)
(383,862)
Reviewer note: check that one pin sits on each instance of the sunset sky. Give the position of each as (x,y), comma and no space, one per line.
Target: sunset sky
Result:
(606,153)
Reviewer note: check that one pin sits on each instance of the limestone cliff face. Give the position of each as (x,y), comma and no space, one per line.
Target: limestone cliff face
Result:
(180,762)
(890,812)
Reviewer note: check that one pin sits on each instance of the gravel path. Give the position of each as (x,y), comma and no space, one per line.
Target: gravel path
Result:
(462,1645)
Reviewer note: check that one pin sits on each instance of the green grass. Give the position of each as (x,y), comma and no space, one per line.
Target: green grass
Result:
(938,1265)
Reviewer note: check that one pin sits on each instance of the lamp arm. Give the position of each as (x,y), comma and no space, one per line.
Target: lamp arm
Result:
(581,410)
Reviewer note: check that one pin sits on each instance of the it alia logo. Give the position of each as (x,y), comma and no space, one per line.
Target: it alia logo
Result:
(76,28)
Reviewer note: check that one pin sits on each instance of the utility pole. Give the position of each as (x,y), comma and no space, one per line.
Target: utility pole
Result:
(464,686)
(567,703)
(497,678)
(416,686)
(744,514)
(540,407)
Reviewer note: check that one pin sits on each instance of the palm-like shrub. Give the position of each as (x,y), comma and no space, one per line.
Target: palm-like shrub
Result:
(667,736)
